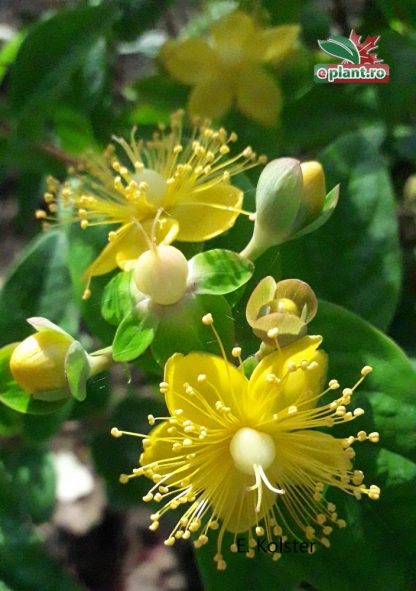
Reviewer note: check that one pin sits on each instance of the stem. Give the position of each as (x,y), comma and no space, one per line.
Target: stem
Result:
(253,250)
(99,363)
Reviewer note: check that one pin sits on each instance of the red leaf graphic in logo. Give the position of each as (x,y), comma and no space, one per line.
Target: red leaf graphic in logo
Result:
(365,48)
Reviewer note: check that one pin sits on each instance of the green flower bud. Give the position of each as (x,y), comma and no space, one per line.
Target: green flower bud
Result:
(162,274)
(291,201)
(279,312)
(38,363)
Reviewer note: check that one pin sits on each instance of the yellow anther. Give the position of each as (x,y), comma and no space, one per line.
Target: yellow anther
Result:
(207,319)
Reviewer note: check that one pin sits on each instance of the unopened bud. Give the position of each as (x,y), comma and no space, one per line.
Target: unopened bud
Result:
(38,363)
(291,201)
(162,274)
(285,307)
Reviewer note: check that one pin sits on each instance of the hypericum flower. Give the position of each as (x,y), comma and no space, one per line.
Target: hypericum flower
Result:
(163,189)
(229,66)
(248,456)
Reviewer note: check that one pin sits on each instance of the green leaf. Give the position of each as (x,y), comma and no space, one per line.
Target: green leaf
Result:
(17,399)
(117,299)
(343,110)
(39,284)
(10,422)
(181,329)
(50,53)
(219,271)
(135,333)
(354,260)
(389,393)
(397,98)
(341,48)
(77,369)
(8,53)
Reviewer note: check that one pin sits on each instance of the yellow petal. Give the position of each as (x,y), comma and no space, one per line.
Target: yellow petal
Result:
(212,378)
(277,43)
(211,98)
(233,31)
(297,386)
(130,249)
(127,243)
(161,445)
(258,96)
(307,455)
(191,61)
(205,214)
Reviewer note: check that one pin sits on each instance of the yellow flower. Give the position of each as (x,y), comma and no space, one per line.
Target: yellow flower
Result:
(245,455)
(229,66)
(169,188)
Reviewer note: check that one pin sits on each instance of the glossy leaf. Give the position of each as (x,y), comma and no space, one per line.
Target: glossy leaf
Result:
(181,329)
(39,284)
(117,299)
(219,271)
(135,333)
(40,75)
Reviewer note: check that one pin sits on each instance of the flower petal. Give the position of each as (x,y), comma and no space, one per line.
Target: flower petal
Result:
(191,61)
(127,243)
(234,30)
(222,382)
(308,456)
(258,96)
(208,212)
(277,43)
(210,98)
(296,387)
(161,445)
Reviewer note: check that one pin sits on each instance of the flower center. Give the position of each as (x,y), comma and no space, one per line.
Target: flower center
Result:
(232,54)
(250,448)
(156,185)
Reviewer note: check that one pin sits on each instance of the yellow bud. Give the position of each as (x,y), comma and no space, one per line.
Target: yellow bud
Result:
(38,363)
(162,274)
(314,190)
